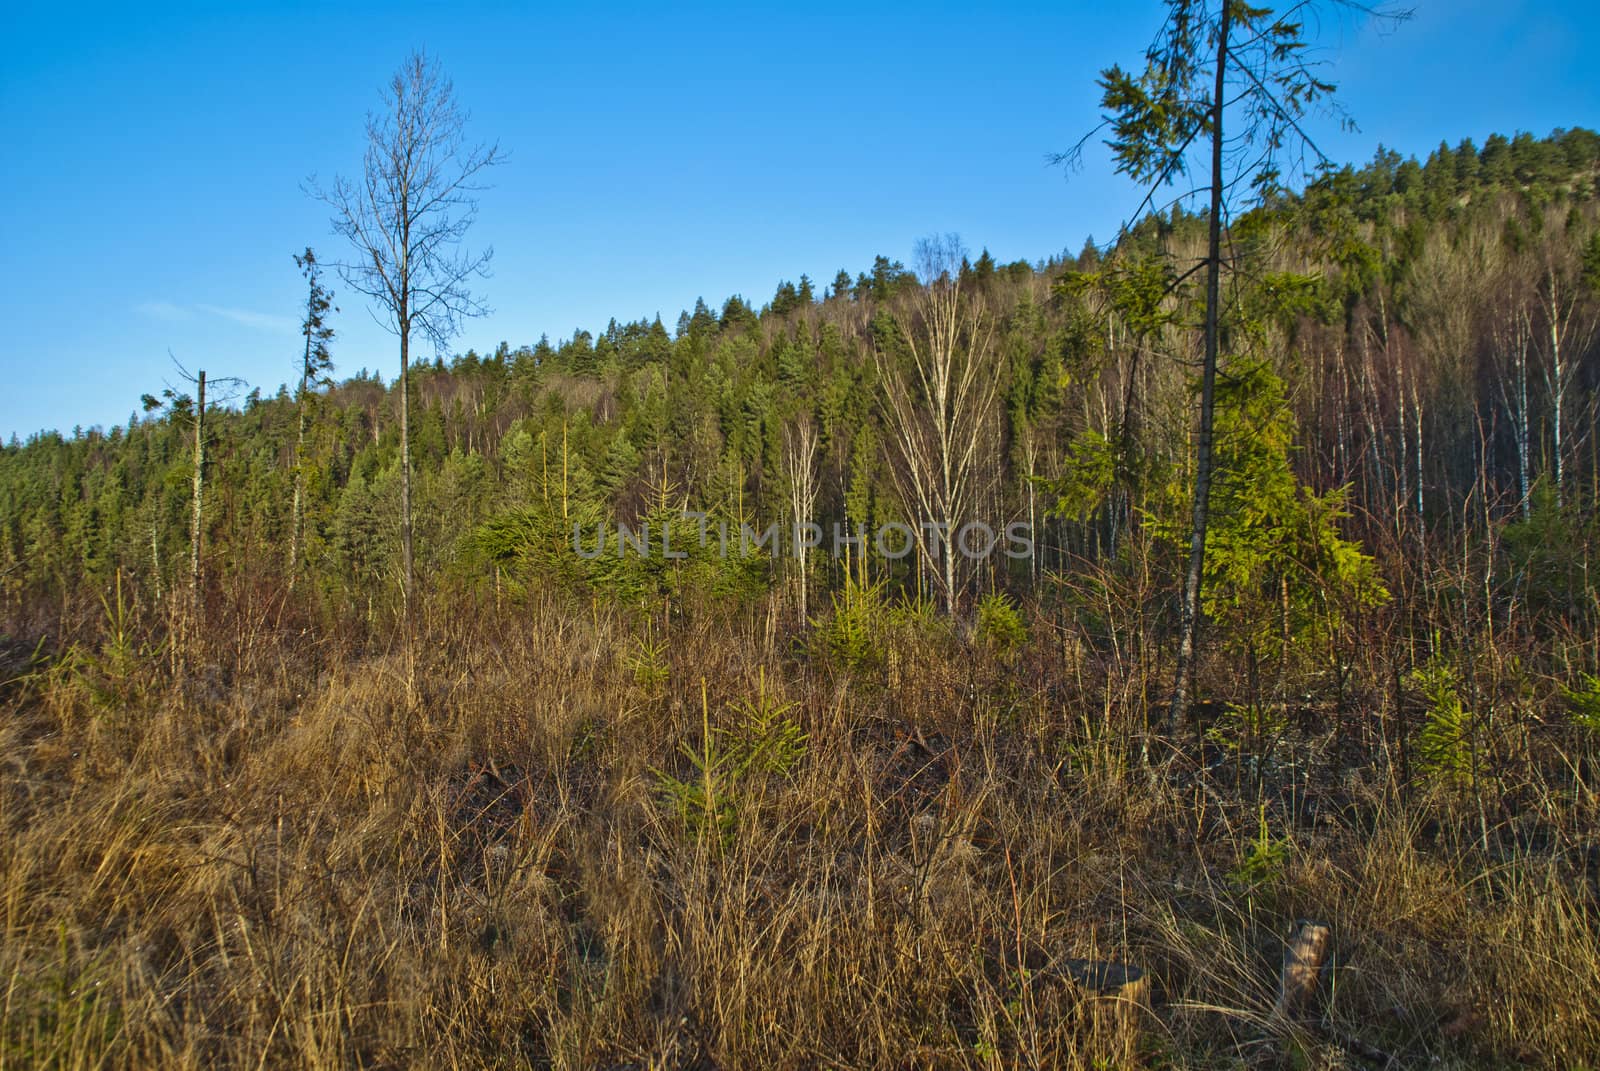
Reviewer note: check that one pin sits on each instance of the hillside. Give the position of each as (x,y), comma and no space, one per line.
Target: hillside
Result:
(841,807)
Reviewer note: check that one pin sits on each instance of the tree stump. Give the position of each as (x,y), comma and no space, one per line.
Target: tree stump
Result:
(1116,1000)
(1304,956)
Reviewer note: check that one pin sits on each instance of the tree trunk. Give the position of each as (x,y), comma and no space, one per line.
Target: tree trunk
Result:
(1377,492)
(199,490)
(948,561)
(406,578)
(1416,427)
(1190,610)
(1524,447)
(1558,396)
(800,458)
(299,476)
(155,552)
(1116,1006)
(1033,512)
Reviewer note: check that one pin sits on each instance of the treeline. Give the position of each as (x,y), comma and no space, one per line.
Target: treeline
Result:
(1409,385)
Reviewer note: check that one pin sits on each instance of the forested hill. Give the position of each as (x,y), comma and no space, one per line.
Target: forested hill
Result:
(1421,335)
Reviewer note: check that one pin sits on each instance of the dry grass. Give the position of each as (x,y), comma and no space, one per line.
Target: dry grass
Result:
(314,855)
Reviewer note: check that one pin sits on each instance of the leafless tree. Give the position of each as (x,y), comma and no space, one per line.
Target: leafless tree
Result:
(940,401)
(1511,335)
(1569,325)
(406,217)
(800,459)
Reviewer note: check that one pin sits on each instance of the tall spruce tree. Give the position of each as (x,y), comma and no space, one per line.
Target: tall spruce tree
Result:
(315,365)
(1226,86)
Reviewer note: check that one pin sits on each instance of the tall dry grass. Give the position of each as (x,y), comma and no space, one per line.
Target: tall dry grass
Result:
(506,845)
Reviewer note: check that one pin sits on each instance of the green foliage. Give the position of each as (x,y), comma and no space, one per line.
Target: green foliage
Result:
(1000,624)
(121,655)
(1161,115)
(112,676)
(769,740)
(1137,289)
(853,636)
(729,771)
(1264,860)
(316,362)
(532,541)
(1446,751)
(648,664)
(583,551)
(703,802)
(66,1017)
(1088,473)
(1584,703)
(1248,728)
(1279,575)
(1550,552)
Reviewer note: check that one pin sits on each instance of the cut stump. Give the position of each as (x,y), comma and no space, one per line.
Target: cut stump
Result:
(1304,956)
(1116,1000)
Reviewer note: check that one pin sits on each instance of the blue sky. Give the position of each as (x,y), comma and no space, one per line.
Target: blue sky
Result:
(151,188)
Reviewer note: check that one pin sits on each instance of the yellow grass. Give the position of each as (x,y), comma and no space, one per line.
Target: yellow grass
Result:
(314,855)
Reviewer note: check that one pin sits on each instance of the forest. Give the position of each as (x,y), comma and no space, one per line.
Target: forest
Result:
(270,802)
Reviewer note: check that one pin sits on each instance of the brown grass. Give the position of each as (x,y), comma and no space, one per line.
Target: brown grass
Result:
(314,854)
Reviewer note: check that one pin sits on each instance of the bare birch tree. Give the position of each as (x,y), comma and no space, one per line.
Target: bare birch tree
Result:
(1511,335)
(800,461)
(406,217)
(1569,324)
(939,406)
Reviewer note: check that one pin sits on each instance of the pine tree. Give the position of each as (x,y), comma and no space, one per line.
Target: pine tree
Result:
(315,367)
(1232,80)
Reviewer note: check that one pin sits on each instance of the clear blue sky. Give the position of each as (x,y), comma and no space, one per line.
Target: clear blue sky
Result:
(154,155)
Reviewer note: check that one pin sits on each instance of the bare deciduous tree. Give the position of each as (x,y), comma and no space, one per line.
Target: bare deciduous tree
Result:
(1510,332)
(1569,325)
(940,404)
(800,461)
(406,217)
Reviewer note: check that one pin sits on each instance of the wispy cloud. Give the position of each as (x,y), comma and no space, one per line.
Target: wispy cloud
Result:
(162,310)
(171,312)
(260,321)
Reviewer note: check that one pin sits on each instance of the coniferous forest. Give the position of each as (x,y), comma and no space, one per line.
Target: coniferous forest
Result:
(288,783)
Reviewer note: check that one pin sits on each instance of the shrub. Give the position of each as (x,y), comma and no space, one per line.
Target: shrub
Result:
(853,637)
(731,767)
(1584,702)
(1000,624)
(1445,751)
